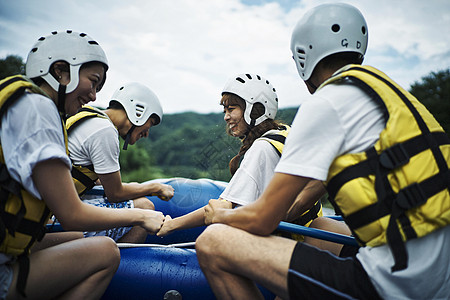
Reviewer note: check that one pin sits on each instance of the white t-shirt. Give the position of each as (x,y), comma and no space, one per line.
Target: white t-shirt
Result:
(253,175)
(31,132)
(338,119)
(95,142)
(341,119)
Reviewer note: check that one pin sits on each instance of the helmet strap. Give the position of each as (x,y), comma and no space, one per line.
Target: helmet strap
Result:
(127,137)
(62,100)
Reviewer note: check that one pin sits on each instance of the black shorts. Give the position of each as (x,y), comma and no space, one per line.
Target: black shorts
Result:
(316,274)
(348,251)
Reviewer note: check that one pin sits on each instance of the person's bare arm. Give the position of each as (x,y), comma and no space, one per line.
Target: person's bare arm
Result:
(312,192)
(58,192)
(263,216)
(190,220)
(117,191)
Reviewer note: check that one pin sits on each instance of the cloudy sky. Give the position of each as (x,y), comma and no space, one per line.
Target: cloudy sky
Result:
(185,50)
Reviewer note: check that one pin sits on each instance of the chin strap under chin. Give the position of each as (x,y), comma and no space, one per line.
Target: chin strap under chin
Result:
(127,137)
(62,101)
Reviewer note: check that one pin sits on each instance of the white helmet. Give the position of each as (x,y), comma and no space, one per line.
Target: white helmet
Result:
(325,30)
(69,46)
(254,89)
(139,102)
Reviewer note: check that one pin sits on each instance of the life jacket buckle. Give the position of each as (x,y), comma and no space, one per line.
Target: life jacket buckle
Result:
(394,157)
(410,196)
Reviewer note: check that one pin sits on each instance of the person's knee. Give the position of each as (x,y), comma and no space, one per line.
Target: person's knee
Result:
(328,224)
(143,203)
(318,223)
(110,251)
(209,242)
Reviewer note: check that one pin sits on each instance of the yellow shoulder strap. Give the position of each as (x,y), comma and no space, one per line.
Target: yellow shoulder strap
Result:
(277,138)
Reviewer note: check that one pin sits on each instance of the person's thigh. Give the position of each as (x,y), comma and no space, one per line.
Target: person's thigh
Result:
(59,268)
(327,224)
(263,259)
(317,274)
(54,238)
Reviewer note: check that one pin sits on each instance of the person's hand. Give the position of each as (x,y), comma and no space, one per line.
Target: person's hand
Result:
(166,228)
(212,207)
(153,220)
(165,192)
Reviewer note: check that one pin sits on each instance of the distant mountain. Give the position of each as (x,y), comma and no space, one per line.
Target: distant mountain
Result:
(188,145)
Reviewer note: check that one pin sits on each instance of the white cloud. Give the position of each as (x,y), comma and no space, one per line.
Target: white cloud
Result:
(186,50)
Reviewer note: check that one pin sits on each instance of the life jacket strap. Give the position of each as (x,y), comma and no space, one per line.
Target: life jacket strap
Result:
(24,270)
(83,178)
(278,138)
(309,215)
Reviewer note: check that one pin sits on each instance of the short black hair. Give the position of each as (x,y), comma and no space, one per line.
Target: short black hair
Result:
(341,59)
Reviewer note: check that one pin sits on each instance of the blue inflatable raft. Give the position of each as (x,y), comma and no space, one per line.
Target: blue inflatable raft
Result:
(167,268)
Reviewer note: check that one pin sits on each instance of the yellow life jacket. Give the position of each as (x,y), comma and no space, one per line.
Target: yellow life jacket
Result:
(398,189)
(84,177)
(277,139)
(23,217)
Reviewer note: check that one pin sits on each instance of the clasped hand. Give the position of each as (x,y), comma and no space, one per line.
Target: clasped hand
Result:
(195,219)
(213,206)
(165,193)
(153,221)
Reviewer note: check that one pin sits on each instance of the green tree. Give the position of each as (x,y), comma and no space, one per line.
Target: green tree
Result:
(137,164)
(434,92)
(11,65)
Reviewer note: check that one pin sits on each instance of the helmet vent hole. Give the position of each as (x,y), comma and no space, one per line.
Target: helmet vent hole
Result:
(248,76)
(240,80)
(310,47)
(259,77)
(267,82)
(69,31)
(82,34)
(335,28)
(139,110)
(93,42)
(274,90)
(41,38)
(54,32)
(121,88)
(363,30)
(34,49)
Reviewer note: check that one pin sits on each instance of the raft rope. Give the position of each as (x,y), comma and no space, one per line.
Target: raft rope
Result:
(179,245)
